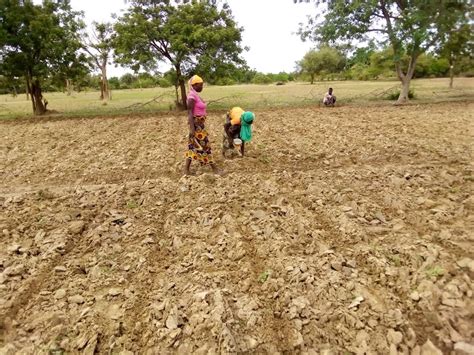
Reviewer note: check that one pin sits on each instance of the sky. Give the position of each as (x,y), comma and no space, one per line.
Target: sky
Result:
(269,30)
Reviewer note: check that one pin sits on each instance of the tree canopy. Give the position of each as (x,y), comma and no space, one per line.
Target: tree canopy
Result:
(38,41)
(186,36)
(323,61)
(409,27)
(98,45)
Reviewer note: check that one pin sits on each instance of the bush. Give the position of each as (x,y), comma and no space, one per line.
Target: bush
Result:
(164,83)
(393,95)
(225,82)
(261,79)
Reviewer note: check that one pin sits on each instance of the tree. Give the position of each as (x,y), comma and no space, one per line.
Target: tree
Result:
(154,31)
(37,41)
(458,42)
(410,27)
(99,46)
(323,60)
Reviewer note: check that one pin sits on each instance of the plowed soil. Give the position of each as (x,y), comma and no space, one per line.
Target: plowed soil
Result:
(344,230)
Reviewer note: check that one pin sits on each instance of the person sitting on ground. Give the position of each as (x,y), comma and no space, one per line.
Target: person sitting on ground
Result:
(329,98)
(237,130)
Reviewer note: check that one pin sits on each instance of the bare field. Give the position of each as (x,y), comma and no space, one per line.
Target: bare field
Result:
(345,230)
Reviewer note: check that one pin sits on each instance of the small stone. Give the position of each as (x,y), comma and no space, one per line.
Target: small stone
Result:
(351,263)
(209,256)
(429,348)
(336,265)
(466,263)
(259,214)
(394,337)
(115,312)
(448,302)
(115,292)
(60,269)
(398,227)
(463,348)
(148,240)
(77,299)
(296,339)
(61,293)
(251,342)
(15,270)
(357,301)
(415,296)
(380,217)
(172,320)
(372,323)
(76,227)
(346,208)
(15,248)
(175,333)
(393,349)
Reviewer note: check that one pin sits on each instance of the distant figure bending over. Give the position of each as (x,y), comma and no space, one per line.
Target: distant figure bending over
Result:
(329,98)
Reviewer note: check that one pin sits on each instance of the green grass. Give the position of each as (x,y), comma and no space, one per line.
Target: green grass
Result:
(263,277)
(126,102)
(435,271)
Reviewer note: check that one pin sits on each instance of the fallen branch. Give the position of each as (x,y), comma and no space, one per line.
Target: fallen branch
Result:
(222,98)
(142,104)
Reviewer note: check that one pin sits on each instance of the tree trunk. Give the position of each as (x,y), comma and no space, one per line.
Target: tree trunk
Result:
(39,106)
(68,87)
(451,73)
(406,78)
(27,89)
(104,85)
(184,97)
(312,79)
(403,98)
(182,86)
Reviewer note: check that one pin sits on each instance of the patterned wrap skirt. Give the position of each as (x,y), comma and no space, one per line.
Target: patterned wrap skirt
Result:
(199,149)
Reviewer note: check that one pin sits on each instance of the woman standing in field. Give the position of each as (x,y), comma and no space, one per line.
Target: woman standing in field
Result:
(199,148)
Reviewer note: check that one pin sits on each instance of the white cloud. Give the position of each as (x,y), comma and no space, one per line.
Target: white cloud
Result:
(269,29)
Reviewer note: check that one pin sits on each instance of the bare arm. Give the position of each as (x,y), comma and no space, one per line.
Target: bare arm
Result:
(191,104)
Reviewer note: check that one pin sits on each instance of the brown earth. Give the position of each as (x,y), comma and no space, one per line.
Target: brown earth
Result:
(345,230)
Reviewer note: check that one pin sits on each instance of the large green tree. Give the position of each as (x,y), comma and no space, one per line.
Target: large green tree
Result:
(458,42)
(325,60)
(185,35)
(98,44)
(38,41)
(410,27)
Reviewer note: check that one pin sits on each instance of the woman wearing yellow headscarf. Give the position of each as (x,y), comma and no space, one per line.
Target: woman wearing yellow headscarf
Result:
(199,148)
(238,129)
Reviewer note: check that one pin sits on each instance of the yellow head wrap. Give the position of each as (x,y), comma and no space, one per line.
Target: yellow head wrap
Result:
(195,79)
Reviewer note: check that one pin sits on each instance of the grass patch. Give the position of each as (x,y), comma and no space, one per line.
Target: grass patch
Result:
(435,271)
(132,204)
(264,276)
(249,97)
(396,93)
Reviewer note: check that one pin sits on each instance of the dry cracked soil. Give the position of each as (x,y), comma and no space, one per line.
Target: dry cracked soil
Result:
(344,230)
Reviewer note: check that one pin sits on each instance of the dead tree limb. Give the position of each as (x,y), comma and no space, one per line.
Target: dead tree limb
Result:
(142,104)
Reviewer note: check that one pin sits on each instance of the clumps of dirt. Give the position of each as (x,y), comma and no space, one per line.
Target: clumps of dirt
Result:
(343,231)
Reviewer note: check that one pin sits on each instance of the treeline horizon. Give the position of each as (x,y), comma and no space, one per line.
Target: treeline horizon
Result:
(365,64)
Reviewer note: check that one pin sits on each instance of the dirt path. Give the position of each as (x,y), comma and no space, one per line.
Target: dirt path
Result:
(344,230)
